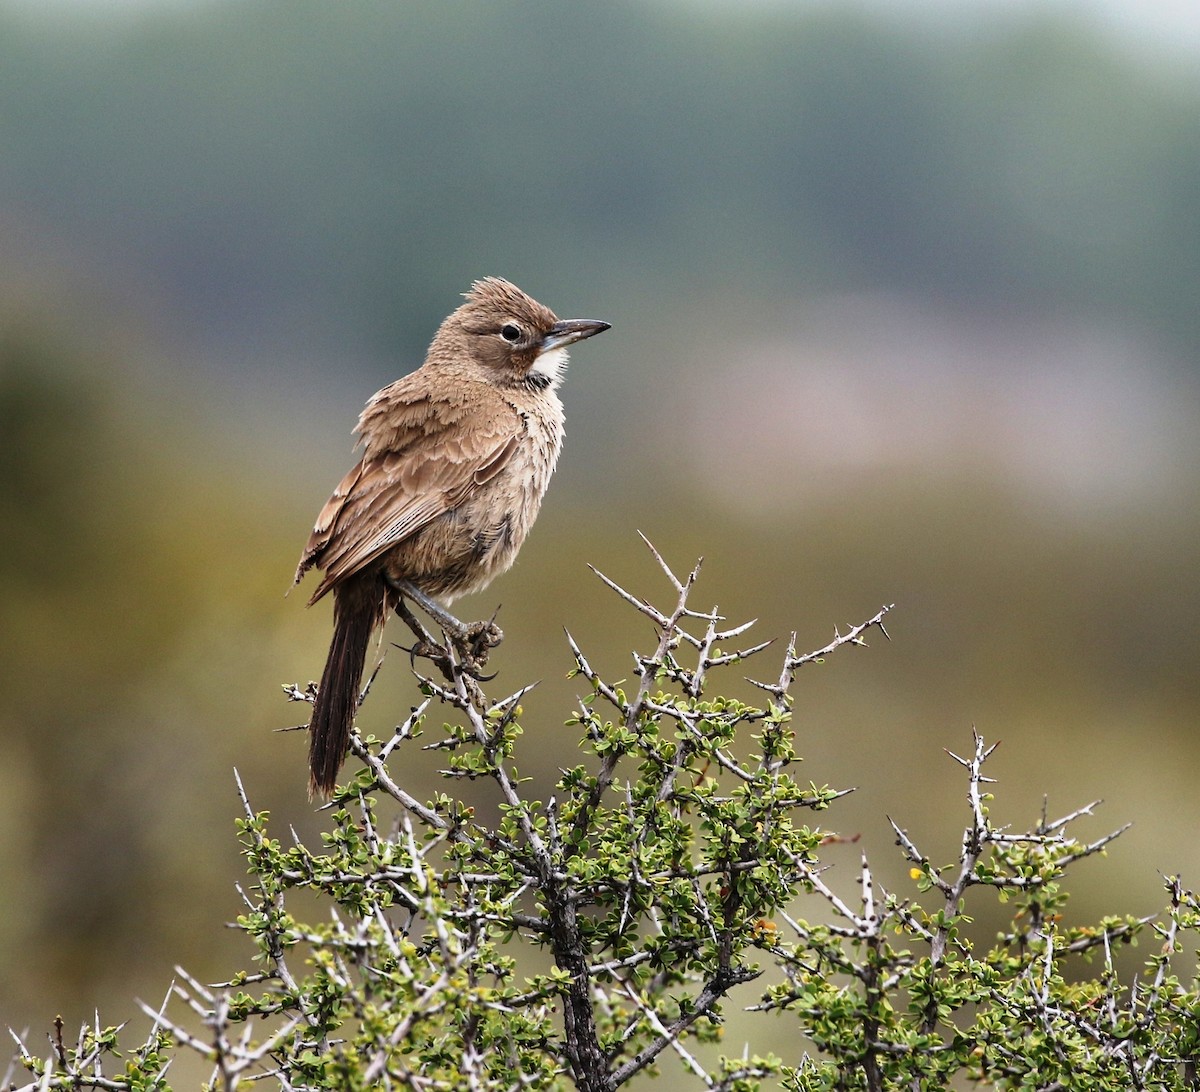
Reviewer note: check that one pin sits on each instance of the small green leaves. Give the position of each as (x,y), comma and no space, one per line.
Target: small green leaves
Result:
(604,932)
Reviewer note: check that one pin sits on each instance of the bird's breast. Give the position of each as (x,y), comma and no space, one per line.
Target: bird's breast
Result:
(479,538)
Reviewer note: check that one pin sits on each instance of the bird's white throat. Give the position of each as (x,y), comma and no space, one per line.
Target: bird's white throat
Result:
(551,366)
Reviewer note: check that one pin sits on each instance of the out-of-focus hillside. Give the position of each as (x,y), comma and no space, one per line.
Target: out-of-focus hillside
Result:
(898,315)
(314,177)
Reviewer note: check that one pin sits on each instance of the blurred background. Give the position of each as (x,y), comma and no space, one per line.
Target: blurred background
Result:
(906,308)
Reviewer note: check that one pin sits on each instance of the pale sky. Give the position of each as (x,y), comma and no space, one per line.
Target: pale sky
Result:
(1164,19)
(1155,27)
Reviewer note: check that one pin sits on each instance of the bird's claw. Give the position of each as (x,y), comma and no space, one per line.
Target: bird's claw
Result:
(473,645)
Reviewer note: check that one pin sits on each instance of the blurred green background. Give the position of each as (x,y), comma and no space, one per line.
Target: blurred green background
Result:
(905,306)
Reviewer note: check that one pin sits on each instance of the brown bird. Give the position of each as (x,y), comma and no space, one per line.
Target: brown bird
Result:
(456,458)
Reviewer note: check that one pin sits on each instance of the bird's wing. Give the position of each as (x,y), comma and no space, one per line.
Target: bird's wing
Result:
(429,463)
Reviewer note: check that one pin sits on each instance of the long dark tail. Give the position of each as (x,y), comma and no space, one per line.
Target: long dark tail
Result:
(359,607)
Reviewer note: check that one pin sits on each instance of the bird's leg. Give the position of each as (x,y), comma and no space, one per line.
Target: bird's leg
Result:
(430,606)
(473,640)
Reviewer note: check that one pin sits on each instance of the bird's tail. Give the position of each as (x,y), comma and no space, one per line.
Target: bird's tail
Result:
(359,607)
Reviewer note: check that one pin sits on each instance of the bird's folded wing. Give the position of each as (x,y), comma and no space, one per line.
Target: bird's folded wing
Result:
(431,466)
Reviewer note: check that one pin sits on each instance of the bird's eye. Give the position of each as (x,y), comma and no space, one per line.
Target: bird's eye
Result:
(510,333)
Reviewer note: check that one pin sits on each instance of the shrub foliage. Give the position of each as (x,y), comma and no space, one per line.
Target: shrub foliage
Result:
(599,934)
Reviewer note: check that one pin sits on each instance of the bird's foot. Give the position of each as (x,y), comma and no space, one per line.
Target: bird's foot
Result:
(464,654)
(473,643)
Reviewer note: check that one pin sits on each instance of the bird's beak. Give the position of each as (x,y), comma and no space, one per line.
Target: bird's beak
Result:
(568,331)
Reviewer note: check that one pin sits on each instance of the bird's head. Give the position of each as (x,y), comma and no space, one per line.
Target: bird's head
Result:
(507,338)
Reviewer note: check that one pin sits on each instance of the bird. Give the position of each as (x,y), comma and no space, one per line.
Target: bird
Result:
(456,457)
